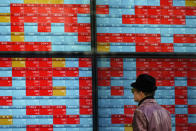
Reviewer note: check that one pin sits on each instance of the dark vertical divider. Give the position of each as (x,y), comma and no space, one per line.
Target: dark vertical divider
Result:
(94,64)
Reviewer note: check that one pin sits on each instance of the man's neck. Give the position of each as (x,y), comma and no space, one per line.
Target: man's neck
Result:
(147,97)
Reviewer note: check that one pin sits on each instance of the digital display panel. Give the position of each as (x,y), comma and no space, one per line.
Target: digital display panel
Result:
(45,25)
(176,82)
(45,94)
(146,26)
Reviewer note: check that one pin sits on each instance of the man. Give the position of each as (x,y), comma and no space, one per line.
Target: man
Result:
(148,116)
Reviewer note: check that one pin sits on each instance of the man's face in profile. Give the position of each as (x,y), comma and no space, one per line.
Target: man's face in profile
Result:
(137,95)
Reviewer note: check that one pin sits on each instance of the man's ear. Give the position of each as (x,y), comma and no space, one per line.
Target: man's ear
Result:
(142,94)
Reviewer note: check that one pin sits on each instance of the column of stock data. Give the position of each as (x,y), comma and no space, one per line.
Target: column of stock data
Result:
(45,94)
(146,26)
(176,82)
(45,25)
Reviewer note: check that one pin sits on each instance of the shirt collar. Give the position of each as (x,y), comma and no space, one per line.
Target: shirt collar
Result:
(147,97)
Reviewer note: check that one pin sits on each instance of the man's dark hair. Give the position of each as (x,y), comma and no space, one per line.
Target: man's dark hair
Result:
(149,93)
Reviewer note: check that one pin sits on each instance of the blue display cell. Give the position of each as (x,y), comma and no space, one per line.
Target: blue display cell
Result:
(59,129)
(5,29)
(122,48)
(119,102)
(114,2)
(105,129)
(104,93)
(83,19)
(179,30)
(18,83)
(84,121)
(6,129)
(115,30)
(192,119)
(141,2)
(48,102)
(16,1)
(152,30)
(129,74)
(85,74)
(166,39)
(19,129)
(191,93)
(73,129)
(165,93)
(72,93)
(128,1)
(130,102)
(124,83)
(115,11)
(103,102)
(179,49)
(103,29)
(76,1)
(32,121)
(44,39)
(5,2)
(153,2)
(105,111)
(115,21)
(104,121)
(46,121)
(190,30)
(117,128)
(192,101)
(6,93)
(103,64)
(58,47)
(18,111)
(130,65)
(103,20)
(70,83)
(67,102)
(141,30)
(86,129)
(33,102)
(58,82)
(181,82)
(31,38)
(18,93)
(190,22)
(178,2)
(117,111)
(128,11)
(71,39)
(71,63)
(120,11)
(20,121)
(166,101)
(190,49)
(79,48)
(168,30)
(57,29)
(128,93)
(181,110)
(5,112)
(72,112)
(30,29)
(128,29)
(5,38)
(57,38)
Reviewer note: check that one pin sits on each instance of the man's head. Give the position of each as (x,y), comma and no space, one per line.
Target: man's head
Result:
(145,85)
